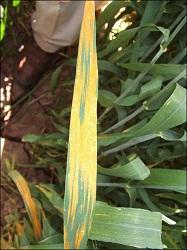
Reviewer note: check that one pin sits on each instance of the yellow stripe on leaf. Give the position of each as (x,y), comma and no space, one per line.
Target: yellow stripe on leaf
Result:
(28,201)
(80,190)
(19,229)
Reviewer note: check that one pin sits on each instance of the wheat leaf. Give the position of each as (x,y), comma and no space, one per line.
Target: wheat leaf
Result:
(28,201)
(80,190)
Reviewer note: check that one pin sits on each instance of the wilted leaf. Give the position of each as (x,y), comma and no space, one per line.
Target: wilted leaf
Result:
(28,201)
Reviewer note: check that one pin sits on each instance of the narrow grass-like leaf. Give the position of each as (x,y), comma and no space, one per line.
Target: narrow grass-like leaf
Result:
(168,179)
(134,170)
(150,15)
(80,190)
(48,231)
(151,12)
(181,198)
(2,30)
(104,65)
(53,140)
(167,71)
(19,229)
(170,135)
(165,210)
(170,115)
(151,88)
(53,197)
(127,226)
(133,227)
(28,201)
(55,77)
(128,101)
(125,36)
(129,143)
(54,239)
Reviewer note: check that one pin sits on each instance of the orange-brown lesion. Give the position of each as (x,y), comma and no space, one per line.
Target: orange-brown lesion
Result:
(83,136)
(66,241)
(79,236)
(19,229)
(29,202)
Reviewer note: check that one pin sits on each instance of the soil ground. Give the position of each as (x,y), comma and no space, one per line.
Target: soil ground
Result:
(32,116)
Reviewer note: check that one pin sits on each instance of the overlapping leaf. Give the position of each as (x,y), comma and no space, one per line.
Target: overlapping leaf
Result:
(133,227)
(134,170)
(171,114)
(128,226)
(167,71)
(167,179)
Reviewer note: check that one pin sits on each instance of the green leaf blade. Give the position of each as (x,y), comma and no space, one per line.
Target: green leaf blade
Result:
(134,170)
(166,179)
(127,226)
(167,71)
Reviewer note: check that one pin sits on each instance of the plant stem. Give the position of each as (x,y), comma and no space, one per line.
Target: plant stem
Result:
(122,185)
(129,144)
(135,83)
(179,57)
(134,141)
(155,45)
(125,120)
(140,109)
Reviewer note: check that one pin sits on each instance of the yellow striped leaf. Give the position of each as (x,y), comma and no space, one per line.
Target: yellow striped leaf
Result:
(19,229)
(80,190)
(28,201)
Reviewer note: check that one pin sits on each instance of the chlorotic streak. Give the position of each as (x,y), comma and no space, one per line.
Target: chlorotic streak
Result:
(80,190)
